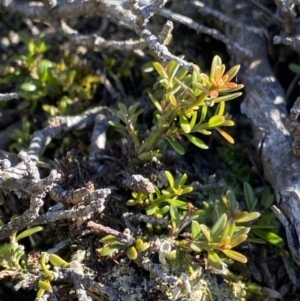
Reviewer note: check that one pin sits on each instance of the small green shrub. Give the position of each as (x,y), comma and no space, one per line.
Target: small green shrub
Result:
(217,228)
(184,103)
(55,85)
(11,253)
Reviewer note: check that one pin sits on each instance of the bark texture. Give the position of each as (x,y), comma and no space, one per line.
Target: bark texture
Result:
(265,105)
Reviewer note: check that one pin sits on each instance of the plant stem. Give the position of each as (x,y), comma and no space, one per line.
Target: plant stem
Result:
(158,131)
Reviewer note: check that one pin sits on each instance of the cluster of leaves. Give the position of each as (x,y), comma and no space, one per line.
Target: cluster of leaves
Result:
(12,253)
(43,79)
(20,137)
(44,284)
(265,229)
(56,86)
(12,257)
(184,105)
(113,244)
(217,228)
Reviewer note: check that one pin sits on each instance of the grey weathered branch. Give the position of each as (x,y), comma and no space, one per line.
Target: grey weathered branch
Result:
(264,104)
(115,9)
(8,96)
(206,30)
(206,10)
(61,125)
(288,12)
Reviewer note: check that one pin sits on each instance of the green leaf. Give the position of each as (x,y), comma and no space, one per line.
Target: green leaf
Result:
(198,212)
(43,69)
(238,240)
(295,68)
(117,125)
(110,249)
(165,83)
(31,48)
(186,190)
(148,67)
(235,255)
(215,121)
(133,108)
(160,70)
(203,113)
(218,227)
(172,69)
(193,120)
(181,73)
(172,255)
(248,217)
(198,88)
(214,260)
(170,178)
(227,97)
(29,232)
(225,135)
(216,62)
(132,253)
(176,145)
(249,195)
(4,248)
(196,230)
(131,202)
(256,240)
(177,203)
(184,124)
(145,246)
(230,201)
(109,239)
(152,208)
(221,108)
(185,87)
(196,141)
(174,213)
(267,199)
(270,237)
(122,108)
(195,248)
(44,285)
(241,231)
(29,87)
(232,72)
(164,210)
(206,232)
(229,229)
(181,181)
(58,261)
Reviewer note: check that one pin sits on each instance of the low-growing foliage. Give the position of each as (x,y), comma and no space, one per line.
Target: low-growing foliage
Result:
(216,228)
(44,284)
(55,85)
(12,253)
(184,103)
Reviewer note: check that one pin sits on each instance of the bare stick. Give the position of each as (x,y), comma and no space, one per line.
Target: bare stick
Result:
(98,139)
(8,96)
(76,274)
(24,220)
(288,12)
(61,125)
(203,29)
(125,238)
(206,10)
